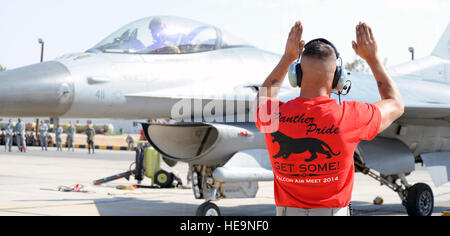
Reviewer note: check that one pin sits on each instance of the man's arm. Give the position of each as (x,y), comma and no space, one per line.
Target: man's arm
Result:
(272,84)
(391,104)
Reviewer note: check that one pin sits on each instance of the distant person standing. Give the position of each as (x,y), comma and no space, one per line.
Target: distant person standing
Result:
(58,138)
(130,141)
(31,139)
(2,138)
(20,135)
(70,137)
(49,140)
(90,132)
(9,129)
(43,139)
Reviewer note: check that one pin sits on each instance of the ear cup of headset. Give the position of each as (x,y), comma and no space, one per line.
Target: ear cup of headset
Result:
(343,81)
(298,68)
(292,74)
(337,77)
(295,74)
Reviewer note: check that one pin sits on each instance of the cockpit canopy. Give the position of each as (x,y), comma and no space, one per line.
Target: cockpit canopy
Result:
(166,35)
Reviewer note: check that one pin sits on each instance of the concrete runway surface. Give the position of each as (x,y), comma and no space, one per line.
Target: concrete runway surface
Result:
(27,181)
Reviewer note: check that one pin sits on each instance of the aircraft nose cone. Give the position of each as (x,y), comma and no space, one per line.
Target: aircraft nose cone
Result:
(39,90)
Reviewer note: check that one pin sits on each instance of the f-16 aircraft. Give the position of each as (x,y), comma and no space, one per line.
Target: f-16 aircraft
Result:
(170,67)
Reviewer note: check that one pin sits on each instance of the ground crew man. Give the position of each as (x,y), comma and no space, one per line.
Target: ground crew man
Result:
(130,141)
(315,136)
(43,139)
(58,137)
(9,129)
(90,132)
(20,135)
(70,137)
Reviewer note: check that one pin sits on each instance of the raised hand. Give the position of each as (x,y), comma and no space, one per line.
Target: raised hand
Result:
(294,42)
(365,46)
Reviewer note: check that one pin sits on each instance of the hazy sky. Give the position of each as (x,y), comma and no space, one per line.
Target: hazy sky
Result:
(74,26)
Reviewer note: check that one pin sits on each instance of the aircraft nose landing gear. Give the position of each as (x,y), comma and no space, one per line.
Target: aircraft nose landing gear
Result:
(204,188)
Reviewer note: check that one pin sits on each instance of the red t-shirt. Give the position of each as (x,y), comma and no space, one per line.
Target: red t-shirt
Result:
(311,143)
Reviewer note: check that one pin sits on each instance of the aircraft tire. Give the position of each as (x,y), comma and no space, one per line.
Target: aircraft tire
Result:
(163,179)
(420,200)
(208,209)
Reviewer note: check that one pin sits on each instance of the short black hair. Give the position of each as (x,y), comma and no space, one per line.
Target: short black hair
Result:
(319,50)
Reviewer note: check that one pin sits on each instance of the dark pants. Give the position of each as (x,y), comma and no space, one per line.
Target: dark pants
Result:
(91,144)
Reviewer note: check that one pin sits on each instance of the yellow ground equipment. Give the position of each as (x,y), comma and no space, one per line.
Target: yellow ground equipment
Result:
(148,163)
(152,168)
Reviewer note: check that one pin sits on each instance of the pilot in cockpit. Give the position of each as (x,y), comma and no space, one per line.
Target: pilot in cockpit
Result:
(162,43)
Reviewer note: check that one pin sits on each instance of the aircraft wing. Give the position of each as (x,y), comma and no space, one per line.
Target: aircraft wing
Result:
(426,115)
(427,111)
(210,103)
(423,99)
(205,90)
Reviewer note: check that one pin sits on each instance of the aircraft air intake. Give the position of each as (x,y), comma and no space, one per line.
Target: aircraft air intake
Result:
(202,143)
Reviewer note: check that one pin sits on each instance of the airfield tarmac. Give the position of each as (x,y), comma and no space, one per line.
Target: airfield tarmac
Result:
(28,182)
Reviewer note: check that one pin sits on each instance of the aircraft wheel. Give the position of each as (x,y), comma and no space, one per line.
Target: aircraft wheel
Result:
(420,200)
(208,209)
(163,179)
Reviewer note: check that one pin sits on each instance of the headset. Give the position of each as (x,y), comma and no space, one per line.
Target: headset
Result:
(340,81)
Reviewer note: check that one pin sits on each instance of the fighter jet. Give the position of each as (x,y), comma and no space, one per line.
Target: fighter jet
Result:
(198,74)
